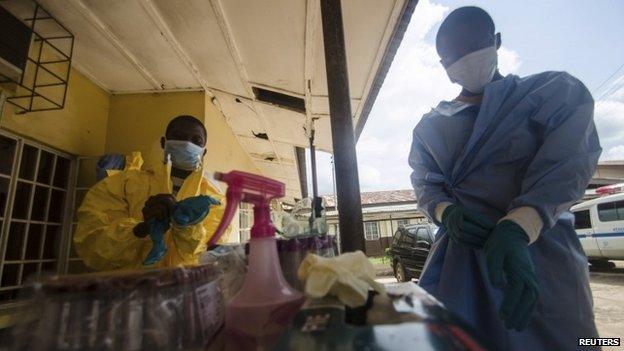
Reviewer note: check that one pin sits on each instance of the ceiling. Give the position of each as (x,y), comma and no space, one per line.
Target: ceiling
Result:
(229,47)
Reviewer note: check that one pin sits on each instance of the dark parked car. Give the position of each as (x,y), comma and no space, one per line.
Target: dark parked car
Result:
(409,250)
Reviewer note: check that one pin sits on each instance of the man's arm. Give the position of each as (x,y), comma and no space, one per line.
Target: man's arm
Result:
(104,237)
(564,164)
(428,181)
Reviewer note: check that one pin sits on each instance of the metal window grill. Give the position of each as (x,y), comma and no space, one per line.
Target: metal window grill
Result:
(42,85)
(84,180)
(35,192)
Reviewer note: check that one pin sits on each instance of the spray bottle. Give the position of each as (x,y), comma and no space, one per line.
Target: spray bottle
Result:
(266,304)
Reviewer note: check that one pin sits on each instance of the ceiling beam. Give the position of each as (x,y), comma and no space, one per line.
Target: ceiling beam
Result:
(283,163)
(279,141)
(84,71)
(161,91)
(242,72)
(155,15)
(116,42)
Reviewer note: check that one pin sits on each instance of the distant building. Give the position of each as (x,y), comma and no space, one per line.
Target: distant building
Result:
(384,212)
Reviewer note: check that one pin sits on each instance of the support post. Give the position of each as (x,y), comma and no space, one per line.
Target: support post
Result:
(343,137)
(303,174)
(313,166)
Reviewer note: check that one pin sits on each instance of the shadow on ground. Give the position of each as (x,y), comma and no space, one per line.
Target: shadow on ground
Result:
(383,269)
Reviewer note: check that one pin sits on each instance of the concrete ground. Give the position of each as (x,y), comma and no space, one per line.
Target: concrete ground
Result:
(607,288)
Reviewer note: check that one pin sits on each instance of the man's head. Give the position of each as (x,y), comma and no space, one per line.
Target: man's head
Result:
(185,141)
(463,31)
(467,45)
(185,128)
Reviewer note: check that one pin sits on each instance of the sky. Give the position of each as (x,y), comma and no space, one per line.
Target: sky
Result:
(584,38)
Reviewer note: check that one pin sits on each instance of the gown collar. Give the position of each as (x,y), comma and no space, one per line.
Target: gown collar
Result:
(494,96)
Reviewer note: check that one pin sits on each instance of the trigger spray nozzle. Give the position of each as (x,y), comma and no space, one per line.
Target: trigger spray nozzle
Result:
(253,189)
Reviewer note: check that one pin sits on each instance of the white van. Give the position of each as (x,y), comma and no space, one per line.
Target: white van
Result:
(599,224)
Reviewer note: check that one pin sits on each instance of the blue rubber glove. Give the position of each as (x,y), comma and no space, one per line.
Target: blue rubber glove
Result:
(187,212)
(510,267)
(157,230)
(193,210)
(109,162)
(467,227)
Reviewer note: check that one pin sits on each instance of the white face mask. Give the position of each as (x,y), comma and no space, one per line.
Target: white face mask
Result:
(475,70)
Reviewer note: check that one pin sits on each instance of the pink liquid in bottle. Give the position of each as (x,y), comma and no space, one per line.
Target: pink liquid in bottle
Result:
(263,308)
(266,304)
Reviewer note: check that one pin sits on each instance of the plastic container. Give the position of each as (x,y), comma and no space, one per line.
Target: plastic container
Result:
(293,251)
(266,304)
(161,309)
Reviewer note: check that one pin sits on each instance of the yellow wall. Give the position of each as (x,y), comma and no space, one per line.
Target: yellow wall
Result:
(79,128)
(137,121)
(94,122)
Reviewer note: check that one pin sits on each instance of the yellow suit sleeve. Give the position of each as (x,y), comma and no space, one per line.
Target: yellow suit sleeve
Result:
(192,240)
(104,238)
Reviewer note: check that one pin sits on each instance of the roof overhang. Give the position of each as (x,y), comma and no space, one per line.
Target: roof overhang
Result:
(230,49)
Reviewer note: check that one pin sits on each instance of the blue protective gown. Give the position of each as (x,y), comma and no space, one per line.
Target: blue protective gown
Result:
(531,142)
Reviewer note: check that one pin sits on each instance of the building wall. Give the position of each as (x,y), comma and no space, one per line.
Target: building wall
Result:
(387,223)
(137,121)
(80,128)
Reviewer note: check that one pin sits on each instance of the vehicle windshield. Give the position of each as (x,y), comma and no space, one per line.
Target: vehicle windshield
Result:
(433,228)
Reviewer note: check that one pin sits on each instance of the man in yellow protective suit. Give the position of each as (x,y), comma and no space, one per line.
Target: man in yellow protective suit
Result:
(112,233)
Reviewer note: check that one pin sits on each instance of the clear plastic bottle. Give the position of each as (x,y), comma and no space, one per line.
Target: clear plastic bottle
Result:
(266,304)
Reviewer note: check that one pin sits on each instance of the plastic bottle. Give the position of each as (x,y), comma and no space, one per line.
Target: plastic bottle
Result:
(266,304)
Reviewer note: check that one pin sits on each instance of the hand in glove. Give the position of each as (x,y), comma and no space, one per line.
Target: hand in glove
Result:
(510,268)
(467,227)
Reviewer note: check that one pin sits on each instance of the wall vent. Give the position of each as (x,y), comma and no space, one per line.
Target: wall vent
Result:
(278,99)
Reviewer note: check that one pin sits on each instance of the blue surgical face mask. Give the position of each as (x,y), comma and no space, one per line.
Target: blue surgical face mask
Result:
(184,154)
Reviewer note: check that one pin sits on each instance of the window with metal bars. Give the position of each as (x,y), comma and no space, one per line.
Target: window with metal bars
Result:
(85,179)
(36,186)
(371,230)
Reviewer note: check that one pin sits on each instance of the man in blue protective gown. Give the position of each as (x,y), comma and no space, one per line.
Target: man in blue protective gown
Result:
(498,169)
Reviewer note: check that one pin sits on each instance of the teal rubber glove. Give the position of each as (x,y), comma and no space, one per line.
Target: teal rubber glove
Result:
(467,227)
(193,210)
(157,230)
(510,268)
(187,212)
